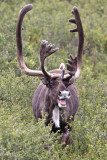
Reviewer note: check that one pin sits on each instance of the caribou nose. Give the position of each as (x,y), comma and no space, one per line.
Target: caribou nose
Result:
(64,94)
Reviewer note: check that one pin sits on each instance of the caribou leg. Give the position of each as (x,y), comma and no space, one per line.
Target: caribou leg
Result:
(65,139)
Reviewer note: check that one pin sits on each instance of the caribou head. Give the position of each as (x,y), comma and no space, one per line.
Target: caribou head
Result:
(57,94)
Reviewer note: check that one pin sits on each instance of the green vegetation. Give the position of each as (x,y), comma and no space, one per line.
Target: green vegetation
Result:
(21,137)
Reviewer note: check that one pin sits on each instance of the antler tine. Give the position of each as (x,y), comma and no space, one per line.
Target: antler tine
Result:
(74,65)
(72,20)
(45,51)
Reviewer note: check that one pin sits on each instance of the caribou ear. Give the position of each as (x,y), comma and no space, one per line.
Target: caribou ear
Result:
(62,66)
(45,81)
(48,83)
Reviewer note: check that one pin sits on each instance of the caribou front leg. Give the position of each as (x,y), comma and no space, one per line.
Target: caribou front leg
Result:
(65,139)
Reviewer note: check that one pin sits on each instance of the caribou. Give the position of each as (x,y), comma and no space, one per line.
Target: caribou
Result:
(57,95)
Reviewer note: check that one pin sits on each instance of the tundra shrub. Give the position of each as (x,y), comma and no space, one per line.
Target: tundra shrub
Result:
(21,136)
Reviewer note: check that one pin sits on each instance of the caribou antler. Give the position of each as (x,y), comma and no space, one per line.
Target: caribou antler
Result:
(45,49)
(74,65)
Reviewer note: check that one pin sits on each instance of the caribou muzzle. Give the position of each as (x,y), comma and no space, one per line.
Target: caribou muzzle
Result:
(62,97)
